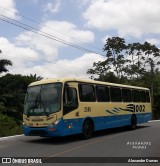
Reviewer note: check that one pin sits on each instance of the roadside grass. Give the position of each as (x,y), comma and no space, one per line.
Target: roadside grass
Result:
(9,127)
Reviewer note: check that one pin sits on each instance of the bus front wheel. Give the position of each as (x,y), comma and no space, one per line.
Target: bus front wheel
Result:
(87,129)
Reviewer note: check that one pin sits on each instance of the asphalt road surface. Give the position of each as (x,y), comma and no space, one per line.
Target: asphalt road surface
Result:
(106,146)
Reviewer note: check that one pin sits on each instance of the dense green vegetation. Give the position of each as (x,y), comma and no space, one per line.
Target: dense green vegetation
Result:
(133,64)
(12,93)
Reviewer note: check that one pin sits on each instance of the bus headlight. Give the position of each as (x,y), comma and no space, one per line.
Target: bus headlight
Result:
(24,124)
(56,122)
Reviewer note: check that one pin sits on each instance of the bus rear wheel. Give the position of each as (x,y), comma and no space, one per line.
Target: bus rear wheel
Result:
(133,122)
(87,129)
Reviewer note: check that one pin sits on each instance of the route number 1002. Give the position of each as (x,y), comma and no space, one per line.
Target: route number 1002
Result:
(139,108)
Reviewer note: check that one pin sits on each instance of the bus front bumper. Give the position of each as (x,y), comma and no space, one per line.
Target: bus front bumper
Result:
(49,131)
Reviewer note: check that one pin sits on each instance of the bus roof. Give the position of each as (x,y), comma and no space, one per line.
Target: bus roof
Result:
(47,81)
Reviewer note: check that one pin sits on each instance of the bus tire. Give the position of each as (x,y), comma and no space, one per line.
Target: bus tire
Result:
(133,122)
(87,129)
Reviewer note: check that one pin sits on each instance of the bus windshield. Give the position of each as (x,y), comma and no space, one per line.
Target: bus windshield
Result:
(43,99)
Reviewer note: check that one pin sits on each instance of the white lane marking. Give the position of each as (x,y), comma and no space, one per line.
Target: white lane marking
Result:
(154,121)
(10,137)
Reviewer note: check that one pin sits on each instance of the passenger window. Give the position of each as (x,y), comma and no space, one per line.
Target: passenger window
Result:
(136,95)
(147,97)
(143,96)
(102,93)
(126,95)
(115,94)
(87,93)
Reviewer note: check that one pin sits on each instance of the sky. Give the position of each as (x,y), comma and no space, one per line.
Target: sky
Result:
(59,25)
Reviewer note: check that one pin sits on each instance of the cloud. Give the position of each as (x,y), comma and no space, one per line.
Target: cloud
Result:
(66,68)
(46,47)
(130,17)
(8,8)
(49,47)
(105,38)
(68,31)
(153,41)
(31,53)
(21,57)
(26,61)
(53,7)
(12,49)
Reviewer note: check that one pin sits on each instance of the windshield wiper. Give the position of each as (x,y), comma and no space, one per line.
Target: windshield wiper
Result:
(45,112)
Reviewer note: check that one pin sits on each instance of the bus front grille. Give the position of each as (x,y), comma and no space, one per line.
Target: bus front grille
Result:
(37,132)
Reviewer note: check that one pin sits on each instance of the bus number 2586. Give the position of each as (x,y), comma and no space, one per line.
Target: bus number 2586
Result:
(87,109)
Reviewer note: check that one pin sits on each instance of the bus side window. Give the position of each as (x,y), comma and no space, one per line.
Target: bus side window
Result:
(126,95)
(86,93)
(136,95)
(115,94)
(108,94)
(147,97)
(72,104)
(143,96)
(102,93)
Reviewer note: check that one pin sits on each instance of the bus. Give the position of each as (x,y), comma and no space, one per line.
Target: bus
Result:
(67,106)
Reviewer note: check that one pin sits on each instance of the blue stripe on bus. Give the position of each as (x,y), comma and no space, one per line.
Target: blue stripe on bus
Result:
(74,126)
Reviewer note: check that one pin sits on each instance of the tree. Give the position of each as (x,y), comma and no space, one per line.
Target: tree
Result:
(135,56)
(35,77)
(115,49)
(128,61)
(3,64)
(132,63)
(12,93)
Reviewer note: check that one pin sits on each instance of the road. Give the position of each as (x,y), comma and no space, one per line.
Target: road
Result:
(119,142)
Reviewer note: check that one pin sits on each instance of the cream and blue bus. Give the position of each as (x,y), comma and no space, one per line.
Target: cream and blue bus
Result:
(67,106)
